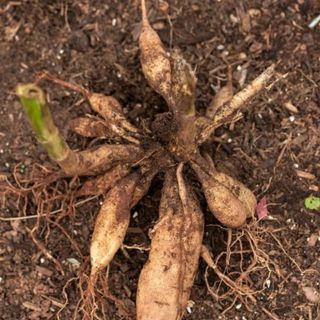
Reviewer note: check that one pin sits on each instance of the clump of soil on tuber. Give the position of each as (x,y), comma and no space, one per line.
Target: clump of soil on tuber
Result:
(124,169)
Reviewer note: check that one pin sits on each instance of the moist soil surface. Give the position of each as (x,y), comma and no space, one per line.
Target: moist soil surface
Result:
(273,147)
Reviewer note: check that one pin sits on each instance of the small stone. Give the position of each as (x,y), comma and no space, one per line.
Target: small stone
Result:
(311,294)
(268,283)
(114,22)
(238,306)
(292,118)
(312,240)
(135,214)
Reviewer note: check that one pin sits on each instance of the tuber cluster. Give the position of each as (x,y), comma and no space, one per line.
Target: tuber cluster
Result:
(124,170)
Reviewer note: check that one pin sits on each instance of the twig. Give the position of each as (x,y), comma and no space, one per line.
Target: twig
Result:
(271,315)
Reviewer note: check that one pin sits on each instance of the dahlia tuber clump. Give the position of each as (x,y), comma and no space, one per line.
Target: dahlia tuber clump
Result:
(123,172)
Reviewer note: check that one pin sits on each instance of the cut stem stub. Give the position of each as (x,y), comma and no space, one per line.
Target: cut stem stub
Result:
(34,103)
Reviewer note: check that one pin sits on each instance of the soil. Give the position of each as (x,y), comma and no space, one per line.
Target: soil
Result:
(273,148)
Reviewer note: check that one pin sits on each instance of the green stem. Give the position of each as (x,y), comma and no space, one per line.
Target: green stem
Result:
(34,103)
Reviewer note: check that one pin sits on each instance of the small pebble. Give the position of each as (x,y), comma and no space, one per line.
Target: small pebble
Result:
(296,165)
(114,22)
(42,260)
(135,214)
(238,306)
(229,140)
(292,118)
(268,283)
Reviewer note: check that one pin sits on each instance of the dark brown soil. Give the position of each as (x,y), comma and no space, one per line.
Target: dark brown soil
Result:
(270,149)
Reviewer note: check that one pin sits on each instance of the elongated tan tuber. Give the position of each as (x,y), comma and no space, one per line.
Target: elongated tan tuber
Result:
(111,223)
(224,205)
(154,58)
(238,189)
(100,159)
(101,184)
(166,279)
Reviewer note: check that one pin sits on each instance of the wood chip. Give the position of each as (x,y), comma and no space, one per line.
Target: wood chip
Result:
(305,175)
(313,187)
(311,294)
(289,106)
(312,241)
(31,306)
(44,271)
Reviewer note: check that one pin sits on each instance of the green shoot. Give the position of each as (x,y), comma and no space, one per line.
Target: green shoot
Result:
(34,103)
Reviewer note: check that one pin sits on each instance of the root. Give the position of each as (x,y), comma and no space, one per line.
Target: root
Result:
(243,260)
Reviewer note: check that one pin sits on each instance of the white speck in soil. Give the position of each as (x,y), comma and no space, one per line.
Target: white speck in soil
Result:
(296,165)
(114,22)
(220,47)
(135,214)
(268,283)
(42,260)
(7,165)
(229,140)
(238,306)
(292,118)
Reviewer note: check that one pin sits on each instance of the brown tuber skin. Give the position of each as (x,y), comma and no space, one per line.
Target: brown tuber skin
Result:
(90,128)
(111,223)
(127,170)
(228,209)
(166,279)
